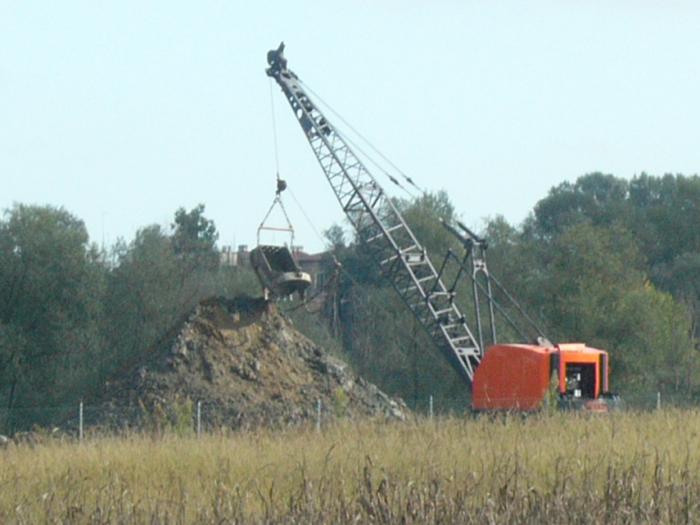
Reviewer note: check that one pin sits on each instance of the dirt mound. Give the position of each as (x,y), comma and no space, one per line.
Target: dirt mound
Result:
(249,367)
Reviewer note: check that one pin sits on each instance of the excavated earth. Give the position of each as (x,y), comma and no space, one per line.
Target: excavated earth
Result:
(249,367)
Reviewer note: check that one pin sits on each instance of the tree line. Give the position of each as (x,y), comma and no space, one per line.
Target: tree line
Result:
(611,262)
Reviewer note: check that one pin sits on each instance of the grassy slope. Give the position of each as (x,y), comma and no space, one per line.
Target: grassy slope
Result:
(624,468)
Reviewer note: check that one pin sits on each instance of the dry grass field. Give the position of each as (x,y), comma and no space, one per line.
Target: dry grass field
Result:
(624,468)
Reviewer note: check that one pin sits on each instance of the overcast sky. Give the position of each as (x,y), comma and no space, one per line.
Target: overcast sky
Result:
(124,111)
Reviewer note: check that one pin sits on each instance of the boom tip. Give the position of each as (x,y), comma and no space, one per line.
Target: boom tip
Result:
(276,60)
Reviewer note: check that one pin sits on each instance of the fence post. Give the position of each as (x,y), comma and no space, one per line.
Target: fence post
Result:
(80,421)
(199,419)
(430,408)
(658,401)
(318,415)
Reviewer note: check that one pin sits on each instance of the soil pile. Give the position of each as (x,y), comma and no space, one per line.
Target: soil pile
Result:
(249,367)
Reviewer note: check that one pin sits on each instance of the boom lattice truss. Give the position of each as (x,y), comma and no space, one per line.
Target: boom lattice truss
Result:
(381,228)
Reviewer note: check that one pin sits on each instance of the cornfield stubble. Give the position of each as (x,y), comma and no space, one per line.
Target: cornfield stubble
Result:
(622,468)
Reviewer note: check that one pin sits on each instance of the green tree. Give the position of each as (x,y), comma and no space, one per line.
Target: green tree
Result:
(50,306)
(194,238)
(654,343)
(144,295)
(597,198)
(593,288)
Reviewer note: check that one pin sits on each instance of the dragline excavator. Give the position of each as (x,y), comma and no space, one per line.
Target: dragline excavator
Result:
(502,376)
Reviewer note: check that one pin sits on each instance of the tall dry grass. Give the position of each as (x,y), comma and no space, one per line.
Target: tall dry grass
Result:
(625,468)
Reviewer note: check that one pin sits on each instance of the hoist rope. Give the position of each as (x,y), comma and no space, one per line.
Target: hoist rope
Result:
(274,130)
(362,137)
(374,162)
(320,237)
(303,212)
(281,184)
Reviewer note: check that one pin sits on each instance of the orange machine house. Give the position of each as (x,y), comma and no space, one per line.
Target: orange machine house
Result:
(517,377)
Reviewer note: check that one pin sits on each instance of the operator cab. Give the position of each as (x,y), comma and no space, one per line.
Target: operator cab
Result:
(580,380)
(583,377)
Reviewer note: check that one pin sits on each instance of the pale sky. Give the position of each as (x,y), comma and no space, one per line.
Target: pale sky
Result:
(124,111)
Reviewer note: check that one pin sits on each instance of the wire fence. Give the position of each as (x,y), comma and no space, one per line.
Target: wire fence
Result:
(635,401)
(79,420)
